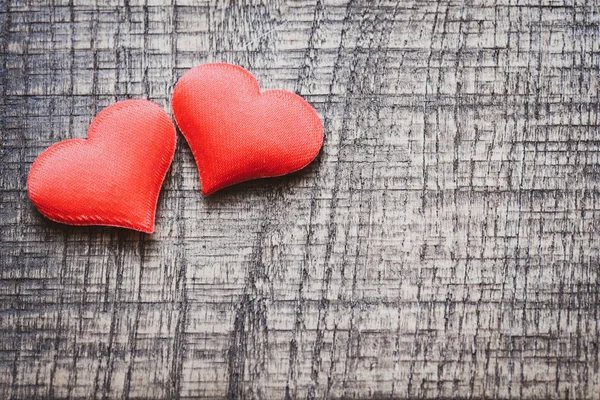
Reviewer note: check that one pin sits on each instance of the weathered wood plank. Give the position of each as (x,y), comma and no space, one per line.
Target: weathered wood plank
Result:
(444,244)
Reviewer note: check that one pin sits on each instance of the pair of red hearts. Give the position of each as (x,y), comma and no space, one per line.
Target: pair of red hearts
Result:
(236,133)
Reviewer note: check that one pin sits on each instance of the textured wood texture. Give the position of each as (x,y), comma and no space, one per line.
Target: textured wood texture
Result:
(445,243)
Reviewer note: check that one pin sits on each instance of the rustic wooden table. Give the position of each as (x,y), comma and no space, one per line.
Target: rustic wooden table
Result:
(444,244)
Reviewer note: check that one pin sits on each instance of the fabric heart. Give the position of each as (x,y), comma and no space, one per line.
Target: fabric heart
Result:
(114,177)
(237,133)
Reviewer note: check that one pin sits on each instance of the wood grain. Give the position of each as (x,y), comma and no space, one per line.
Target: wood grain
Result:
(444,244)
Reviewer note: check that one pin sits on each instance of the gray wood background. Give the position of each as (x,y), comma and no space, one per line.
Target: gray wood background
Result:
(444,244)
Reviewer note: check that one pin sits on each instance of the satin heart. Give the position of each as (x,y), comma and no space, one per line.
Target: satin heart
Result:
(114,177)
(237,133)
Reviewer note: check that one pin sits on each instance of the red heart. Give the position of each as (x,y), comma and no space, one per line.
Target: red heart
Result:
(238,133)
(112,178)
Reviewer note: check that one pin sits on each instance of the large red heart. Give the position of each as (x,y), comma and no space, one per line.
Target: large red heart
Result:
(237,133)
(112,178)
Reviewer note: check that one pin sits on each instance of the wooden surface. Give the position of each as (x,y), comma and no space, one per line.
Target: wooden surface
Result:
(444,244)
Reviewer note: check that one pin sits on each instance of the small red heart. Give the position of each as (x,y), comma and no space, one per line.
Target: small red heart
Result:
(237,133)
(114,177)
